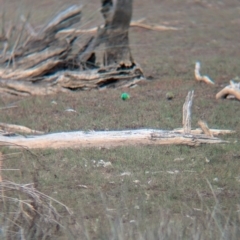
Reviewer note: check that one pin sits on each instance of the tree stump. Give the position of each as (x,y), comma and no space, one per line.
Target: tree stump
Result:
(117,16)
(46,62)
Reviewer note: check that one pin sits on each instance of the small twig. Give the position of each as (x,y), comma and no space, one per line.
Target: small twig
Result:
(187,113)
(199,77)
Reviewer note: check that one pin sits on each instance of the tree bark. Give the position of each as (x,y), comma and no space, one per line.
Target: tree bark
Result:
(117,16)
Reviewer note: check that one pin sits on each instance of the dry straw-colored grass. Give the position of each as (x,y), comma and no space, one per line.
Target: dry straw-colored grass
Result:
(28,213)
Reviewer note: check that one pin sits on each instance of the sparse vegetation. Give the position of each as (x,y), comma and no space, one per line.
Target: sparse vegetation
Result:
(147,192)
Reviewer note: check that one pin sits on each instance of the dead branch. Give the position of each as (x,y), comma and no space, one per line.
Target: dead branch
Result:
(65,81)
(118,138)
(231,90)
(1,160)
(17,128)
(137,23)
(203,125)
(199,77)
(187,113)
(197,131)
(153,27)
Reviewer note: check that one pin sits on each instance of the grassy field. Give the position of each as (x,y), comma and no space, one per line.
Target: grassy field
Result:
(148,192)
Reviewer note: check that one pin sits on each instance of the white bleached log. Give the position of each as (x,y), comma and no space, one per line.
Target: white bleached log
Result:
(82,139)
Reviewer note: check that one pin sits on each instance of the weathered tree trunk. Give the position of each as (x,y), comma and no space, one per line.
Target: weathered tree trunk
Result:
(108,139)
(117,16)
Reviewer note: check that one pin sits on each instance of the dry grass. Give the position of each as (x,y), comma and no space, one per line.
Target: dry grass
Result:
(172,192)
(27,213)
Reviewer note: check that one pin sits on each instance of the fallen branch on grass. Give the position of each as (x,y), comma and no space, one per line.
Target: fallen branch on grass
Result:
(117,138)
(137,23)
(108,139)
(232,90)
(1,161)
(199,77)
(203,125)
(18,129)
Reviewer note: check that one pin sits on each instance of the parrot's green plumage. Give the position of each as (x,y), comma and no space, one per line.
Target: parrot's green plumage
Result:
(125,96)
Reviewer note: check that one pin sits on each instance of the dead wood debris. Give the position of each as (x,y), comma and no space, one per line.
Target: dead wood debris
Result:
(185,136)
(45,63)
(203,125)
(199,77)
(138,23)
(187,113)
(108,139)
(4,127)
(230,91)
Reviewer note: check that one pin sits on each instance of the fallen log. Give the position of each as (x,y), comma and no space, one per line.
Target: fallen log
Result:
(80,139)
(108,139)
